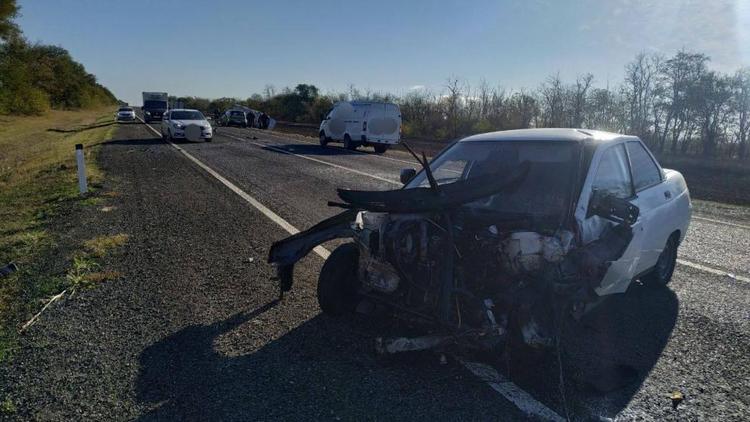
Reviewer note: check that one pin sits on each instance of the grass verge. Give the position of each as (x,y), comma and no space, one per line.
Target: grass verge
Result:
(38,182)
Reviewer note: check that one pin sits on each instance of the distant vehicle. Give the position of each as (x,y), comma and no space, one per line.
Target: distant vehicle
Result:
(186,124)
(233,118)
(362,123)
(155,104)
(125,114)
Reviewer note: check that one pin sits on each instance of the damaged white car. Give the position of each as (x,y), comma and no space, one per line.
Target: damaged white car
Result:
(501,235)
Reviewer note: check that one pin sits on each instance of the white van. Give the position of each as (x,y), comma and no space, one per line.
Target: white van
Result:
(365,123)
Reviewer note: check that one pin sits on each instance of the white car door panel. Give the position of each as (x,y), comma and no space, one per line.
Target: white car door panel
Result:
(609,172)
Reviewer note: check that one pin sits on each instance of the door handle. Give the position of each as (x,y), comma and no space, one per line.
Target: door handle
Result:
(667,194)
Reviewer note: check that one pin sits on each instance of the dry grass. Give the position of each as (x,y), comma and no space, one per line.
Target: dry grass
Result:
(37,176)
(101,245)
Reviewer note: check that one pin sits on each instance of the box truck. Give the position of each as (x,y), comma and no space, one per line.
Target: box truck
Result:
(155,104)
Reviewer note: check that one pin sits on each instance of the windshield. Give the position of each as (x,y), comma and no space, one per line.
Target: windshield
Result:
(237,114)
(187,115)
(125,109)
(154,104)
(544,191)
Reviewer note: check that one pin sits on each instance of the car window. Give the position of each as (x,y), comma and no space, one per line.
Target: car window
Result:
(645,171)
(612,175)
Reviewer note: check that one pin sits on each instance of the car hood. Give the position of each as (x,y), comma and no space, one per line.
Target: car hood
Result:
(193,122)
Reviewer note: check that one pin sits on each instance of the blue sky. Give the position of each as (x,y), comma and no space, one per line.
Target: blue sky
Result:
(234,48)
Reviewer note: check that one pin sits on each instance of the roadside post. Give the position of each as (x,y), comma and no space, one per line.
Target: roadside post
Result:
(82,187)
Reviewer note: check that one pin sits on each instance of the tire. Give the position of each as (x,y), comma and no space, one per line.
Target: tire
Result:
(349,144)
(323,139)
(209,139)
(662,272)
(380,148)
(337,284)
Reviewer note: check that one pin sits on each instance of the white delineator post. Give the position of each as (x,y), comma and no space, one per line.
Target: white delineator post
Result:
(82,187)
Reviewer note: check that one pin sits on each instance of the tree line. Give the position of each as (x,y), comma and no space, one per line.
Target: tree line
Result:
(675,104)
(37,77)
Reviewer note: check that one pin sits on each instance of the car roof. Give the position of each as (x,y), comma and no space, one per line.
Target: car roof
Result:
(184,109)
(548,134)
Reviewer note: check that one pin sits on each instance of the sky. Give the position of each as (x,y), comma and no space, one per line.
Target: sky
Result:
(234,48)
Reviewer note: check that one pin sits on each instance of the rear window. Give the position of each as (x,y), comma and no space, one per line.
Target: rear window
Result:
(645,171)
(125,109)
(237,113)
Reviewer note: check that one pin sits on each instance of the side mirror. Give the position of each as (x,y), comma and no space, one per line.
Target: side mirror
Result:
(407,174)
(613,208)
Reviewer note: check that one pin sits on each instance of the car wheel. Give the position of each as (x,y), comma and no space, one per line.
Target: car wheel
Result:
(662,272)
(337,284)
(349,144)
(380,148)
(323,139)
(209,139)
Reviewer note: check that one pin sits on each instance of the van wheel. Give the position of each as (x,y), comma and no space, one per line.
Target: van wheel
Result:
(380,148)
(337,284)
(662,272)
(323,139)
(348,143)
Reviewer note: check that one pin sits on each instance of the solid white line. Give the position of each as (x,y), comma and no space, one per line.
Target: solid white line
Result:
(321,251)
(726,223)
(523,400)
(281,150)
(714,271)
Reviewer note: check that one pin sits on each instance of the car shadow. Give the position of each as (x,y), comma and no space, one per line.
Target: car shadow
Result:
(605,357)
(324,368)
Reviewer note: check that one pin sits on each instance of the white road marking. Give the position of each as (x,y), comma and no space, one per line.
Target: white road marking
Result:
(321,251)
(714,271)
(283,151)
(726,223)
(521,399)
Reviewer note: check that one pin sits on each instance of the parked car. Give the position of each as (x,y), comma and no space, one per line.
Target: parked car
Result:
(502,233)
(234,118)
(125,114)
(186,124)
(362,123)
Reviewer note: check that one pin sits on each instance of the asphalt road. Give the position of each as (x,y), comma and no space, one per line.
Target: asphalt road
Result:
(192,330)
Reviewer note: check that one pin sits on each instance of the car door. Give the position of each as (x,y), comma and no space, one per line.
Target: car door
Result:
(610,173)
(653,199)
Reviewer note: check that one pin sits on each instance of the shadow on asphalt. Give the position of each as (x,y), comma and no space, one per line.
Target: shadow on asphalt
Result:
(308,149)
(606,358)
(147,142)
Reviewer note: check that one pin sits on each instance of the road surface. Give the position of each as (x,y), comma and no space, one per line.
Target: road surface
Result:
(192,329)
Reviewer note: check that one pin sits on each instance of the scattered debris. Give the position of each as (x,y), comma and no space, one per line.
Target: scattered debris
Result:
(33,319)
(677,397)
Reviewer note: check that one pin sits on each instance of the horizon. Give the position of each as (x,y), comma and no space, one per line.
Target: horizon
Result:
(235,53)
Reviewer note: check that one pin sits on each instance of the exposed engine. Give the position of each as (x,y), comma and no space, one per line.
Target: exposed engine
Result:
(497,276)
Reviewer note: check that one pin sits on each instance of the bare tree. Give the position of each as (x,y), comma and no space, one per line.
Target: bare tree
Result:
(578,97)
(552,94)
(741,105)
